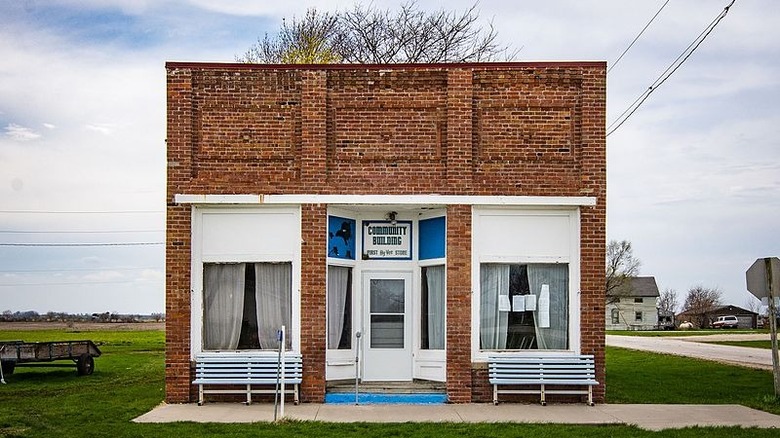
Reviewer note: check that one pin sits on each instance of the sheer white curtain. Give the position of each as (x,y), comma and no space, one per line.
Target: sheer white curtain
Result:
(494,283)
(273,295)
(436,307)
(556,276)
(338,280)
(223,310)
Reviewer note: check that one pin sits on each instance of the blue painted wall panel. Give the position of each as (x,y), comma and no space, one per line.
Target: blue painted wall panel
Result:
(433,238)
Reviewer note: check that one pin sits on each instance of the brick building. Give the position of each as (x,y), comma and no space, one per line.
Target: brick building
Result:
(445,212)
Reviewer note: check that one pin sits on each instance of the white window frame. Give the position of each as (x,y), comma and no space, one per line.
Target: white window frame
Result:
(291,253)
(569,255)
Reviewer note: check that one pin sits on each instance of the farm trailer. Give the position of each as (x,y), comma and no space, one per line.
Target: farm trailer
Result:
(42,354)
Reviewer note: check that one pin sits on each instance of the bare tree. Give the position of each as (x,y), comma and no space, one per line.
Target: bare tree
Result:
(699,302)
(365,34)
(621,266)
(753,304)
(667,303)
(310,40)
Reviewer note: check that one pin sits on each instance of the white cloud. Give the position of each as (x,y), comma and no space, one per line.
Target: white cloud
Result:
(20,133)
(101,276)
(133,7)
(150,276)
(273,8)
(102,128)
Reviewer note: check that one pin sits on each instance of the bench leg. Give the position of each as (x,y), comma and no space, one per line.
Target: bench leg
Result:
(296,401)
(590,395)
(495,394)
(248,395)
(541,391)
(200,395)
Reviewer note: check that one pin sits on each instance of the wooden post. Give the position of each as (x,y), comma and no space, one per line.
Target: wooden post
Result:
(773,325)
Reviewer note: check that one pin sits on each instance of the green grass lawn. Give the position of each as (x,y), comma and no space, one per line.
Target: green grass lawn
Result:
(753,344)
(642,377)
(128,381)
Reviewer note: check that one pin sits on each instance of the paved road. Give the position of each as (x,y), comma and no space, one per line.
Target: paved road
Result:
(693,346)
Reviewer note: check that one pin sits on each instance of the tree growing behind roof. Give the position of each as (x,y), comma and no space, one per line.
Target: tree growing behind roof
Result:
(699,302)
(667,303)
(368,35)
(621,266)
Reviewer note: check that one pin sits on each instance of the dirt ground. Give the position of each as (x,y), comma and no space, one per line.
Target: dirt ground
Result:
(81,326)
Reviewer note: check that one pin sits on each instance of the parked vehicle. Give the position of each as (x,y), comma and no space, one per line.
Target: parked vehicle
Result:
(727,321)
(666,322)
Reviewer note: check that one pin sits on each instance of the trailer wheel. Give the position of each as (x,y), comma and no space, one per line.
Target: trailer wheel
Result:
(8,367)
(85,365)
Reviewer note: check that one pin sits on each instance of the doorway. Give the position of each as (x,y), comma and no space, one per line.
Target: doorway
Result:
(387,344)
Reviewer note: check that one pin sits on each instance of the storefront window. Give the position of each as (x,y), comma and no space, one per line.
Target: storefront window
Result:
(339,308)
(433,300)
(245,304)
(524,306)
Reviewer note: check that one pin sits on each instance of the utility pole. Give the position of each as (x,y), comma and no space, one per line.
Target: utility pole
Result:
(773,323)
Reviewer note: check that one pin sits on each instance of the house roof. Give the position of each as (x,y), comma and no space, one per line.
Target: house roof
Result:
(637,287)
(728,309)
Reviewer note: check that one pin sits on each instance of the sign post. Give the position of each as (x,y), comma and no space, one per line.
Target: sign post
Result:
(763,280)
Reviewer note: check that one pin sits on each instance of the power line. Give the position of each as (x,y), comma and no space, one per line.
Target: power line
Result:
(78,232)
(81,211)
(83,244)
(67,283)
(676,64)
(637,37)
(34,271)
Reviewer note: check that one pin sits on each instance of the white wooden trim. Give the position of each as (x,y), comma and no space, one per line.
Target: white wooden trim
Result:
(198,259)
(479,256)
(427,200)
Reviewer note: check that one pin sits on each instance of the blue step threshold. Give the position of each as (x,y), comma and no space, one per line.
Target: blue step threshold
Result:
(375,398)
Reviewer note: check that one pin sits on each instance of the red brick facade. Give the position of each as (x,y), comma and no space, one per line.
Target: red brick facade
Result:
(516,129)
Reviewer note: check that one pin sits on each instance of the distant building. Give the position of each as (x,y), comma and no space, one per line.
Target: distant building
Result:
(633,306)
(747,319)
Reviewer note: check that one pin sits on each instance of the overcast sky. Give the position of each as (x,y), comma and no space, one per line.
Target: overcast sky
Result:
(694,174)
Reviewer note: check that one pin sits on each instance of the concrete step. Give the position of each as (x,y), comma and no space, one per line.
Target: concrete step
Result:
(410,387)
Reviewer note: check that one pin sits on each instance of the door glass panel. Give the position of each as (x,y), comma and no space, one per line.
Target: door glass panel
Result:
(387,331)
(387,296)
(387,313)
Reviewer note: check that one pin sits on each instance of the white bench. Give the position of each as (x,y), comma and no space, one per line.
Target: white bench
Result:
(558,370)
(213,370)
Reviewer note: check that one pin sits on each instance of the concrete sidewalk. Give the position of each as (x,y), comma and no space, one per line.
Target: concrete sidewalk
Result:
(651,417)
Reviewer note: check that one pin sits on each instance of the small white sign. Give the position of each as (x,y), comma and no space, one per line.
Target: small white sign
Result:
(518,303)
(387,240)
(530,303)
(544,307)
(503,303)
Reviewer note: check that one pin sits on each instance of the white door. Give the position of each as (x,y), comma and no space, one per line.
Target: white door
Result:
(387,344)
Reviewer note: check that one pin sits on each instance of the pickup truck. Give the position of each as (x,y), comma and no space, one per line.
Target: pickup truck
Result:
(727,321)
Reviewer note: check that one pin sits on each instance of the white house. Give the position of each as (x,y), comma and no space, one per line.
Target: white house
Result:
(634,305)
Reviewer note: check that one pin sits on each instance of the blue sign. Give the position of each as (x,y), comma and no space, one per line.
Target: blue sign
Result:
(341,238)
